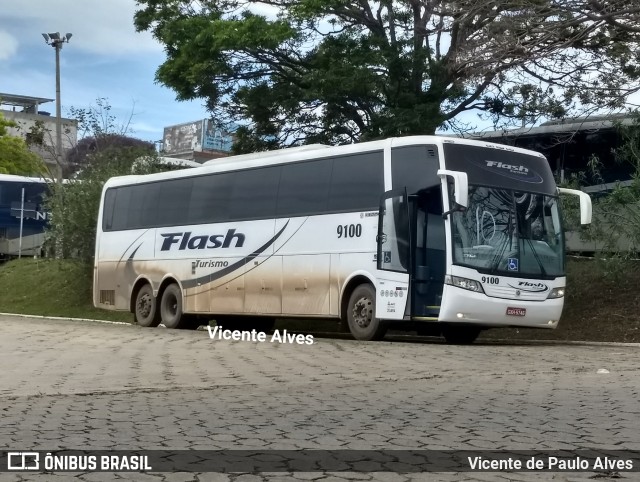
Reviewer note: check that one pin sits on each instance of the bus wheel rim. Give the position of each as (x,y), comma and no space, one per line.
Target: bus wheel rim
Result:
(144,305)
(172,305)
(363,312)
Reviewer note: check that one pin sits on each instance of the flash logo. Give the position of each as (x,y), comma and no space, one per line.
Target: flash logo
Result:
(509,167)
(186,241)
(531,287)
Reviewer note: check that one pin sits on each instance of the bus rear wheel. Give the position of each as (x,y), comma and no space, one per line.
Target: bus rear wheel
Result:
(171,307)
(361,315)
(458,334)
(146,311)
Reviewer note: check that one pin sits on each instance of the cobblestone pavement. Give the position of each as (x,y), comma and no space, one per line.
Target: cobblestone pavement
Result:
(84,385)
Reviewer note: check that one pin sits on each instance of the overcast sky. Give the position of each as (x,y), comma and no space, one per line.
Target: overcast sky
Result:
(105,58)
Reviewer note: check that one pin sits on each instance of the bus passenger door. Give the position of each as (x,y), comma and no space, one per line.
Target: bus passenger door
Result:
(393,256)
(429,254)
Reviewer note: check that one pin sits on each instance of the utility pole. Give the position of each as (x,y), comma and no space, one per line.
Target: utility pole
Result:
(56,41)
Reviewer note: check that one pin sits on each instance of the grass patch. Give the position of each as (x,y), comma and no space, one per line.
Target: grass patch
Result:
(602,302)
(51,287)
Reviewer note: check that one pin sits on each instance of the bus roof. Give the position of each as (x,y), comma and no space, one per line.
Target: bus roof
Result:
(16,178)
(303,153)
(265,154)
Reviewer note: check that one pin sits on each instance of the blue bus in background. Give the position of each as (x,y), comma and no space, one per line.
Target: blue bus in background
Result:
(34,216)
(13,208)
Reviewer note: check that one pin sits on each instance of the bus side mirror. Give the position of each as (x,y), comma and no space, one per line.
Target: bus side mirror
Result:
(460,187)
(585,203)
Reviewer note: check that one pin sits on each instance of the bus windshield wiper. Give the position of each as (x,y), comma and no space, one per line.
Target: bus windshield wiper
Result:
(537,258)
(508,241)
(498,256)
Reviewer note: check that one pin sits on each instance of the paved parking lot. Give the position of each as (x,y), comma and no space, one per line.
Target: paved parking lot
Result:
(84,385)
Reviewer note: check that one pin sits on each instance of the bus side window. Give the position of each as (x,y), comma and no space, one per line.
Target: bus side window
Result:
(356,182)
(210,198)
(107,211)
(304,188)
(121,209)
(254,194)
(414,167)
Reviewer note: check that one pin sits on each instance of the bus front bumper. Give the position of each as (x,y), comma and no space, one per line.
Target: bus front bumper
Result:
(464,306)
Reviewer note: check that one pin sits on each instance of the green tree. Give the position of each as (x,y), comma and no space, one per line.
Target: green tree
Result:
(100,130)
(97,129)
(83,153)
(74,205)
(15,156)
(104,151)
(339,71)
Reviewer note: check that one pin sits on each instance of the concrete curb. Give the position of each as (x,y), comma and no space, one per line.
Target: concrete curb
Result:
(328,334)
(560,342)
(20,315)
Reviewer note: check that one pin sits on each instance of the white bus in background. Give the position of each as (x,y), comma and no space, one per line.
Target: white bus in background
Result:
(453,235)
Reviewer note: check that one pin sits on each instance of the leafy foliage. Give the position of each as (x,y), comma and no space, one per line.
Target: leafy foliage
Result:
(103,152)
(15,156)
(74,205)
(100,130)
(82,154)
(98,121)
(619,212)
(339,71)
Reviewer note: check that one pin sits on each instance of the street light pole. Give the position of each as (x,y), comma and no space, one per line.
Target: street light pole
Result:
(56,41)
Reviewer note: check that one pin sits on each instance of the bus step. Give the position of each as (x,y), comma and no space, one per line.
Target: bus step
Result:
(431,311)
(424,318)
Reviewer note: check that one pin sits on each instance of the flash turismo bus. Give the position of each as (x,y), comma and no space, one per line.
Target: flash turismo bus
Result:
(449,235)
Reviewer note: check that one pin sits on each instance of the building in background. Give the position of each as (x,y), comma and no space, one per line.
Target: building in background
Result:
(198,141)
(571,144)
(25,111)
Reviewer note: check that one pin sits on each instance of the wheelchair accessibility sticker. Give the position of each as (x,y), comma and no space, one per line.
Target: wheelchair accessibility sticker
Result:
(512,264)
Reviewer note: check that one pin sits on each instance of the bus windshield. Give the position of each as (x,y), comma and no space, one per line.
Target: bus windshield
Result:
(510,233)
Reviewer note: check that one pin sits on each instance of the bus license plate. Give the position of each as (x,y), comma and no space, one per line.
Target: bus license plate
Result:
(516,311)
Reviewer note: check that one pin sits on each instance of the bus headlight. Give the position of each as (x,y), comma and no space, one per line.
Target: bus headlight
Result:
(556,293)
(464,283)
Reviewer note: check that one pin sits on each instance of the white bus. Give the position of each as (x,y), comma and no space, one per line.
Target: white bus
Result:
(447,234)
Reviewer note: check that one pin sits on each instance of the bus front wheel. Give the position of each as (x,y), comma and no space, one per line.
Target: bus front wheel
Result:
(361,315)
(146,310)
(171,307)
